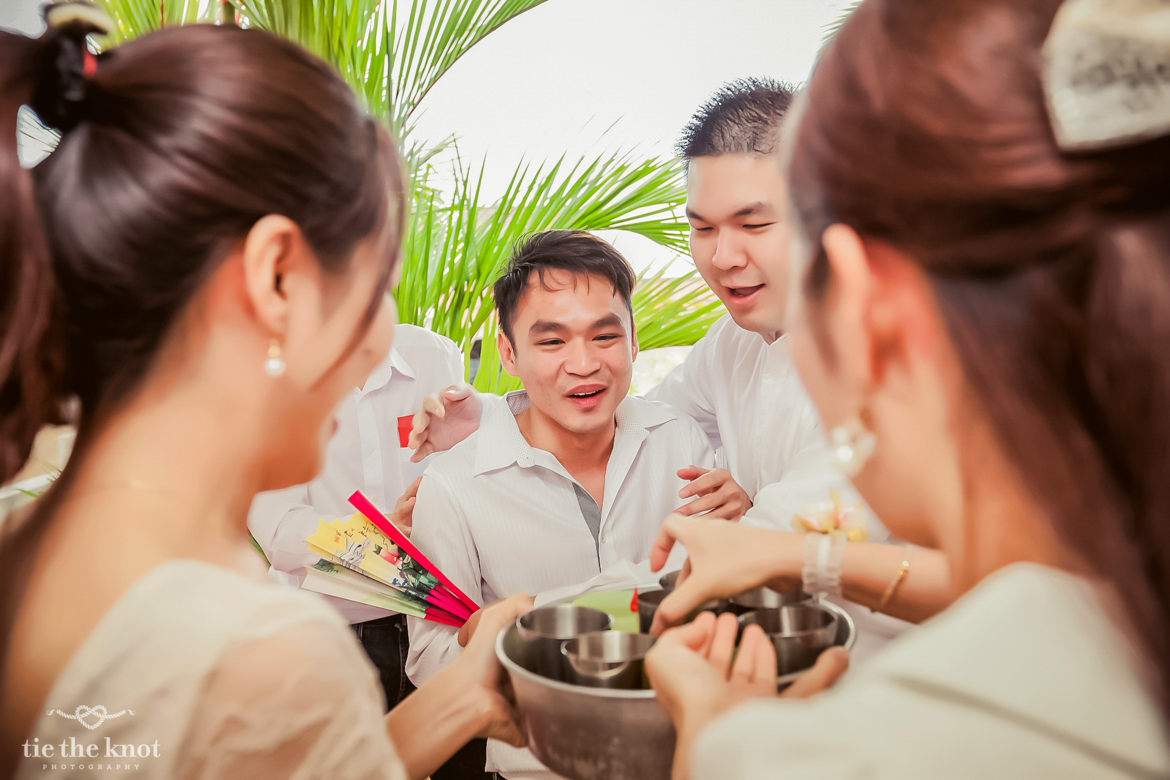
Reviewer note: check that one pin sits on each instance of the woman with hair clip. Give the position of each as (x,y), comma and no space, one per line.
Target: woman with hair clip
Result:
(984,276)
(202,263)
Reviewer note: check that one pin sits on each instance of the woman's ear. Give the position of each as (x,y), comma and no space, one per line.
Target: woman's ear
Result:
(274,253)
(847,306)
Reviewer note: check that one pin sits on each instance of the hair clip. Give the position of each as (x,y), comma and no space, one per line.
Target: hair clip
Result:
(62,88)
(1105,73)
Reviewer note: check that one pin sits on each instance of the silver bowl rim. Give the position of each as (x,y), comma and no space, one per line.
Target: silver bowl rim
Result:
(605,693)
(849,642)
(814,604)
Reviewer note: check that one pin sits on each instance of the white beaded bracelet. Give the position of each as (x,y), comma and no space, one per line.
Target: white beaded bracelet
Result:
(821,574)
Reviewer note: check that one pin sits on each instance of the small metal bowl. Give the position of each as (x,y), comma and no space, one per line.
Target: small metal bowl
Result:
(541,633)
(799,632)
(649,601)
(608,659)
(668,582)
(765,598)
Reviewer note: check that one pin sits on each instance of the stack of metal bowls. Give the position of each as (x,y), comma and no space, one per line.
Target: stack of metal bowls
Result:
(583,698)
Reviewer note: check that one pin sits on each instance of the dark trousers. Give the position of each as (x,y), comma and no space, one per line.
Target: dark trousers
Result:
(386,643)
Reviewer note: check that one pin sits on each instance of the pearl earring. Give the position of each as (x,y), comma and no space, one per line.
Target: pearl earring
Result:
(274,366)
(853,445)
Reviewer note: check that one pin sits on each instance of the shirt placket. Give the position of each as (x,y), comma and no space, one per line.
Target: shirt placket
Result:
(627,442)
(373,473)
(761,453)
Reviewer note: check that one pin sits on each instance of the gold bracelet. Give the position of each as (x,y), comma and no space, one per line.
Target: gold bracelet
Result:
(895,584)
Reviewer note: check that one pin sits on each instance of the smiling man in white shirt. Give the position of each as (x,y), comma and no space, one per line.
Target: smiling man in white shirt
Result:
(571,475)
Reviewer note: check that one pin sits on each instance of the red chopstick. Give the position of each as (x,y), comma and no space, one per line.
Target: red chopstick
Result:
(375,516)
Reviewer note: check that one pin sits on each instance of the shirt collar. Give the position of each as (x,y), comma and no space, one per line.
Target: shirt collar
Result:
(501,444)
(381,375)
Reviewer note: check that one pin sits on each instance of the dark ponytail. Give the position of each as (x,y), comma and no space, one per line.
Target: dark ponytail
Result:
(172,147)
(30,353)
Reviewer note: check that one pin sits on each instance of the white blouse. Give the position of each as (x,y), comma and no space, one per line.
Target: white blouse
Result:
(200,672)
(1024,677)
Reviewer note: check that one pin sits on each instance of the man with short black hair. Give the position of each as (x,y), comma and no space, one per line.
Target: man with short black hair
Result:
(738,382)
(569,476)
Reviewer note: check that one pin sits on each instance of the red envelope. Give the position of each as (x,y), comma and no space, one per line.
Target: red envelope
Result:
(405,426)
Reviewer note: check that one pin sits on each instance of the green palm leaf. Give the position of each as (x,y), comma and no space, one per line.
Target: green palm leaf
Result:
(833,27)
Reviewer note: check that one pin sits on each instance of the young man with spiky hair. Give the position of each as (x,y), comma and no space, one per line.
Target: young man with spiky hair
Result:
(568,477)
(738,382)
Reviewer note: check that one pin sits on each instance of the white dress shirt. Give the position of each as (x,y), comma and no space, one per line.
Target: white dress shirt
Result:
(1024,677)
(500,517)
(747,396)
(365,454)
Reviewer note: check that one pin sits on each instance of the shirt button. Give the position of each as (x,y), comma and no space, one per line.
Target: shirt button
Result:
(369,450)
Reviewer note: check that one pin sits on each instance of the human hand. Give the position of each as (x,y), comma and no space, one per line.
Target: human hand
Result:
(724,559)
(481,670)
(830,665)
(447,418)
(403,514)
(720,496)
(698,675)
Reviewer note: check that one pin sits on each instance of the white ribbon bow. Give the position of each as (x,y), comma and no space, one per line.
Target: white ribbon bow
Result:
(1107,72)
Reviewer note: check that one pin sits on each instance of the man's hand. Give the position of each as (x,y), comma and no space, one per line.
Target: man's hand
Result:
(403,514)
(447,418)
(717,492)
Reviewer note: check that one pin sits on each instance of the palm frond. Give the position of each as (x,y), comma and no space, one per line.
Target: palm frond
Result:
(391,53)
(833,27)
(674,311)
(133,18)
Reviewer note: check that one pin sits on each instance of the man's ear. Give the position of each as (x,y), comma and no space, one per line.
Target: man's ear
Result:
(634,336)
(507,353)
(273,250)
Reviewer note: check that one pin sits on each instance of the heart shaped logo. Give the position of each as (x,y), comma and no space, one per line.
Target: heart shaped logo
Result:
(82,712)
(84,715)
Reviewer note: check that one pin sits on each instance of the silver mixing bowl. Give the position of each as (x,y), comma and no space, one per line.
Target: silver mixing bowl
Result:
(589,733)
(846,637)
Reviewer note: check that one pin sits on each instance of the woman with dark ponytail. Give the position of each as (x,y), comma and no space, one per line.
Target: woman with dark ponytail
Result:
(981,189)
(196,276)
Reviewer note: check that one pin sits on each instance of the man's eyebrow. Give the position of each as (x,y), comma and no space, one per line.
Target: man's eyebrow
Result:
(609,321)
(759,207)
(753,208)
(542,327)
(546,326)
